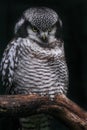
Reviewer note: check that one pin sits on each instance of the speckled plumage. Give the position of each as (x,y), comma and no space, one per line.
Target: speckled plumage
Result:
(34,68)
(42,18)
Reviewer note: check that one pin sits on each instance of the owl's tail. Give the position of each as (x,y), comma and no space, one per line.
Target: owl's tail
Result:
(36,122)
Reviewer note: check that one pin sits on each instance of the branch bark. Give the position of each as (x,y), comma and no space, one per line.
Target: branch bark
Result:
(61,107)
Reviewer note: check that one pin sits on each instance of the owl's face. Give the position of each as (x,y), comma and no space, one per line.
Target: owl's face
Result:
(39,24)
(43,37)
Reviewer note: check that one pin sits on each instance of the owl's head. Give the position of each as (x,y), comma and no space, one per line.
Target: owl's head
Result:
(40,24)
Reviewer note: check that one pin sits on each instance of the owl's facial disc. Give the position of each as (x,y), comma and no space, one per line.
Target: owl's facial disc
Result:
(42,37)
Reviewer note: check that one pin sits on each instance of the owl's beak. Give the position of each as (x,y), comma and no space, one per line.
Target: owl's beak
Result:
(44,37)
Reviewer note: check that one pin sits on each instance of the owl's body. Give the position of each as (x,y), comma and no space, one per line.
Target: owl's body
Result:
(36,68)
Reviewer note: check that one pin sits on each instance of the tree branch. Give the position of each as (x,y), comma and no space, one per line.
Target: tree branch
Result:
(61,107)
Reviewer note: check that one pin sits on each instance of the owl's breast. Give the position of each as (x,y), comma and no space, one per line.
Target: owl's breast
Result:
(36,75)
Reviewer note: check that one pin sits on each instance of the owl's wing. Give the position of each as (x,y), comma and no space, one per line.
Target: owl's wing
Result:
(9,63)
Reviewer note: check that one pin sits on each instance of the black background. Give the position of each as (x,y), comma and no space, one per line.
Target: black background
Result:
(74,17)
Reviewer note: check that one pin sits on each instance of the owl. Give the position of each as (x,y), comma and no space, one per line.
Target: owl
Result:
(34,61)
